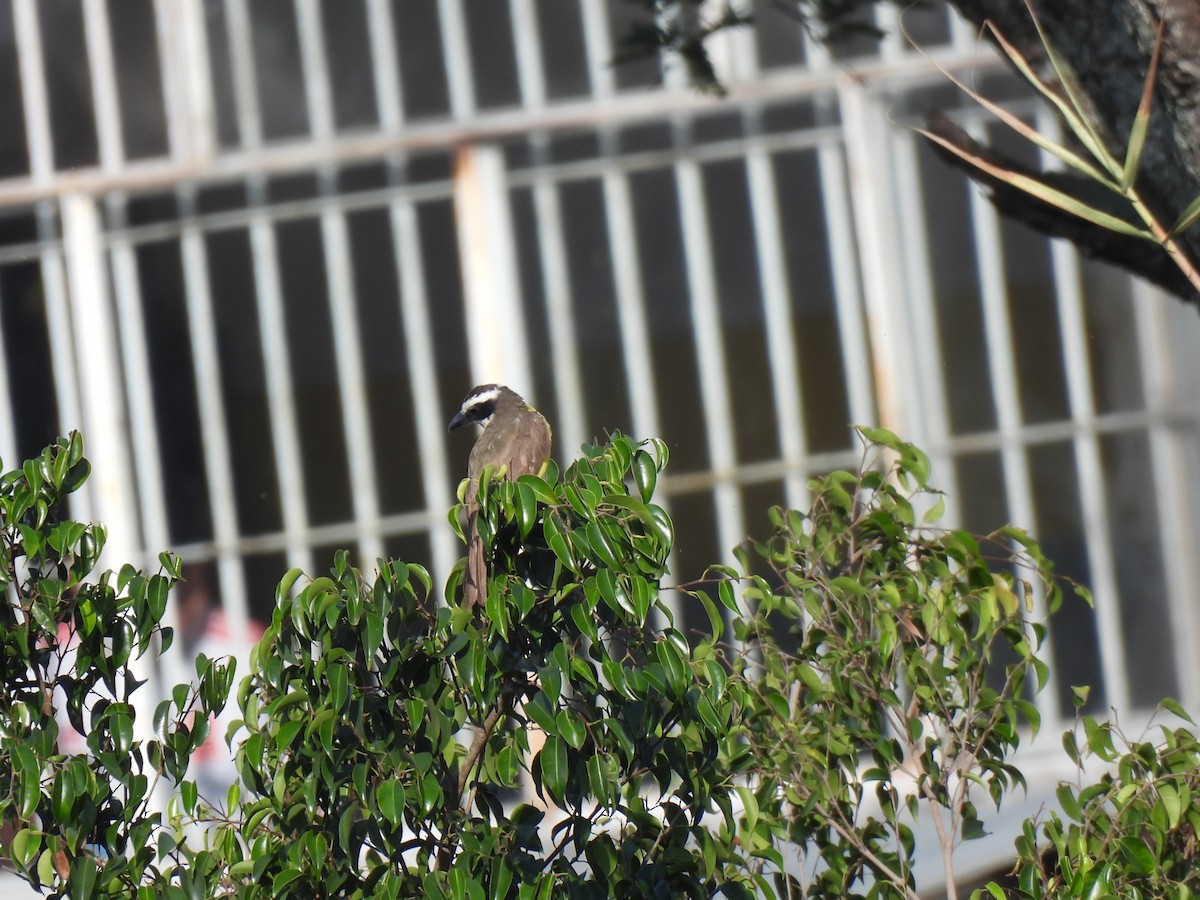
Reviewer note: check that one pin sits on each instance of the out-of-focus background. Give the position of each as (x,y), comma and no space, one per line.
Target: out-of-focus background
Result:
(258,251)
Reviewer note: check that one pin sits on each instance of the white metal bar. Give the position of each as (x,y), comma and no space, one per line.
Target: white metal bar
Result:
(598,43)
(352,388)
(866,127)
(495,319)
(1169,466)
(385,65)
(1092,497)
(631,306)
(187,79)
(245,82)
(1097,535)
(314,69)
(714,377)
(528,49)
(103,407)
(8,427)
(1002,371)
(214,429)
(422,370)
(105,99)
(629,107)
(847,294)
(457,52)
(34,101)
(931,367)
(335,239)
(63,357)
(134,358)
(570,431)
(780,326)
(281,398)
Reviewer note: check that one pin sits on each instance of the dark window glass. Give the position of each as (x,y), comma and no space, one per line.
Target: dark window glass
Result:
(493,54)
(423,82)
(134,32)
(593,303)
(351,75)
(314,370)
(68,84)
(27,348)
(243,382)
(173,386)
(14,154)
(281,98)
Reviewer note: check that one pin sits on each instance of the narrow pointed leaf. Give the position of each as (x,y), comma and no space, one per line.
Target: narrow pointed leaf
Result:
(1031,134)
(1141,121)
(1186,219)
(1076,118)
(1043,191)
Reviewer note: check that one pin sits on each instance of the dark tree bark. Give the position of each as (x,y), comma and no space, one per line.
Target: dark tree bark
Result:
(1108,44)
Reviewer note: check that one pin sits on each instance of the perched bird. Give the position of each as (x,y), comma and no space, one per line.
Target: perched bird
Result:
(514,437)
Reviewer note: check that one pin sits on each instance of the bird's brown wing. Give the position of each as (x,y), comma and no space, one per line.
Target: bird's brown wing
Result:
(522,449)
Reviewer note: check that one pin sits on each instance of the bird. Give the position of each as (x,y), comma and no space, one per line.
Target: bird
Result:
(515,438)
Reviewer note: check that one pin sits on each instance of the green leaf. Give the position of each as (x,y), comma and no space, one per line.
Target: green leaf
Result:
(553,765)
(1068,802)
(1173,707)
(26,844)
(1186,219)
(570,726)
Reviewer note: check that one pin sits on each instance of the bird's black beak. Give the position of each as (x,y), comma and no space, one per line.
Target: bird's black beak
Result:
(459,419)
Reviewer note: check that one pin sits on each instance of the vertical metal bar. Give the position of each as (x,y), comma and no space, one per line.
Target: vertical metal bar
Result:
(187,79)
(385,65)
(599,47)
(8,427)
(780,327)
(887,20)
(352,388)
(105,99)
(865,130)
(927,347)
(494,315)
(245,82)
(1002,370)
(622,237)
(714,378)
(569,429)
(352,392)
(134,358)
(63,355)
(457,51)
(528,54)
(847,294)
(214,427)
(104,413)
(1092,498)
(34,101)
(1170,469)
(564,345)
(314,68)
(281,398)
(422,367)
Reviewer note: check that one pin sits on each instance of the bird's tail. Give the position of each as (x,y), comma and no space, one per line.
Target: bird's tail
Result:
(475,588)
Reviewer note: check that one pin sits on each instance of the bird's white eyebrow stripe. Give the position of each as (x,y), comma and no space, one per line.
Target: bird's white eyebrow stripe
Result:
(481,397)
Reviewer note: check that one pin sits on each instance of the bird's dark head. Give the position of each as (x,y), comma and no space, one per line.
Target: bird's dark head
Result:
(482,403)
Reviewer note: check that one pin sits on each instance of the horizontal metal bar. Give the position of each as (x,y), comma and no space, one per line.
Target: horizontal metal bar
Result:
(626,107)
